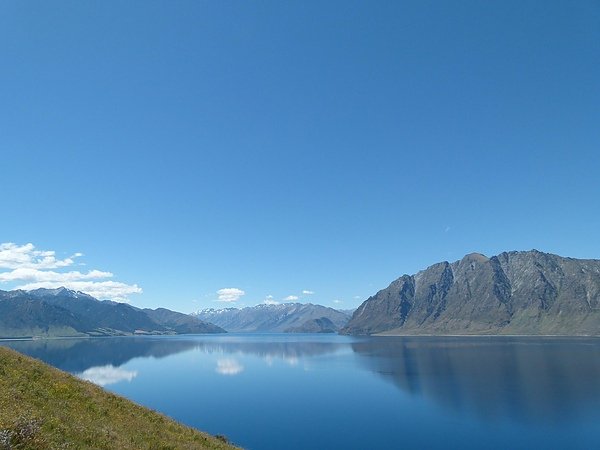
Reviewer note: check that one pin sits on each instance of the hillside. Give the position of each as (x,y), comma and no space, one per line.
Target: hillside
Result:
(42,407)
(181,323)
(63,312)
(321,325)
(513,293)
(279,318)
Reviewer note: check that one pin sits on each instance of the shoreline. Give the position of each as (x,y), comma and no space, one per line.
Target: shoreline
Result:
(487,335)
(384,334)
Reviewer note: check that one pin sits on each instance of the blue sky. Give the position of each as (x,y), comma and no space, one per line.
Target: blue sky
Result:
(279,147)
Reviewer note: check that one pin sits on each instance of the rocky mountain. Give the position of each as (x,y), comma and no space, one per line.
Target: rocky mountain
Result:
(279,318)
(512,293)
(63,312)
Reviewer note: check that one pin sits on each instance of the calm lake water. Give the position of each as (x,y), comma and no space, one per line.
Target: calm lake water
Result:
(328,392)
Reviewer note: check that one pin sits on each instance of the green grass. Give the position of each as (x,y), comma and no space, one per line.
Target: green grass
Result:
(44,408)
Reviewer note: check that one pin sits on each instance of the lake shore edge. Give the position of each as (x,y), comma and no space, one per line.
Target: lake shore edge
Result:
(57,409)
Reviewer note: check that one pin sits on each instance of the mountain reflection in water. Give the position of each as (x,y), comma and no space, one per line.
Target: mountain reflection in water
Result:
(79,355)
(524,378)
(491,378)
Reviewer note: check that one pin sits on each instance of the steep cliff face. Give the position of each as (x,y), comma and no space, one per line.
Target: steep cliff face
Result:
(512,293)
(386,310)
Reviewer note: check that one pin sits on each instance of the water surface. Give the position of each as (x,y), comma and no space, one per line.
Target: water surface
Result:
(328,392)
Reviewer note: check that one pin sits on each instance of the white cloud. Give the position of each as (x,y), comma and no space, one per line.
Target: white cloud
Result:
(33,268)
(269,300)
(13,256)
(230,294)
(36,275)
(103,290)
(290,298)
(104,375)
(337,301)
(229,367)
(306,292)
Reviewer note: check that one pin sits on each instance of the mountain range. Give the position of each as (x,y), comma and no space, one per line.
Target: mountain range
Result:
(63,312)
(279,318)
(529,293)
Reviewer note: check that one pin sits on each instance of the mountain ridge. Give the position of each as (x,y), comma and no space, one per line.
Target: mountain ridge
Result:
(278,318)
(64,312)
(517,292)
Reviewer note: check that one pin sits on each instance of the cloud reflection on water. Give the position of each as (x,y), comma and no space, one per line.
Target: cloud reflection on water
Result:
(106,375)
(229,366)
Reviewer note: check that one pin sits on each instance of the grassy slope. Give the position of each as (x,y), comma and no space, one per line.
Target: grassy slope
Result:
(49,408)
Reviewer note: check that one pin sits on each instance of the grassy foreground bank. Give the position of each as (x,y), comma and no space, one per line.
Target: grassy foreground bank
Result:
(44,408)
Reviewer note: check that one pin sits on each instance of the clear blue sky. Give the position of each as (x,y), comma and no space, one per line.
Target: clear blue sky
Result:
(275,147)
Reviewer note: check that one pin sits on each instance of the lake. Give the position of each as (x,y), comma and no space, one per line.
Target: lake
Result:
(276,391)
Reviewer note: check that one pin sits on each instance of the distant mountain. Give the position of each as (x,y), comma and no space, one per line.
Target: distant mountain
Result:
(321,325)
(512,293)
(181,323)
(280,318)
(63,312)
(26,316)
(100,315)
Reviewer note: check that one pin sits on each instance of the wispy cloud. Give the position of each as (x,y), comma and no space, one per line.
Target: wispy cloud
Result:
(230,294)
(337,301)
(290,298)
(42,269)
(307,292)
